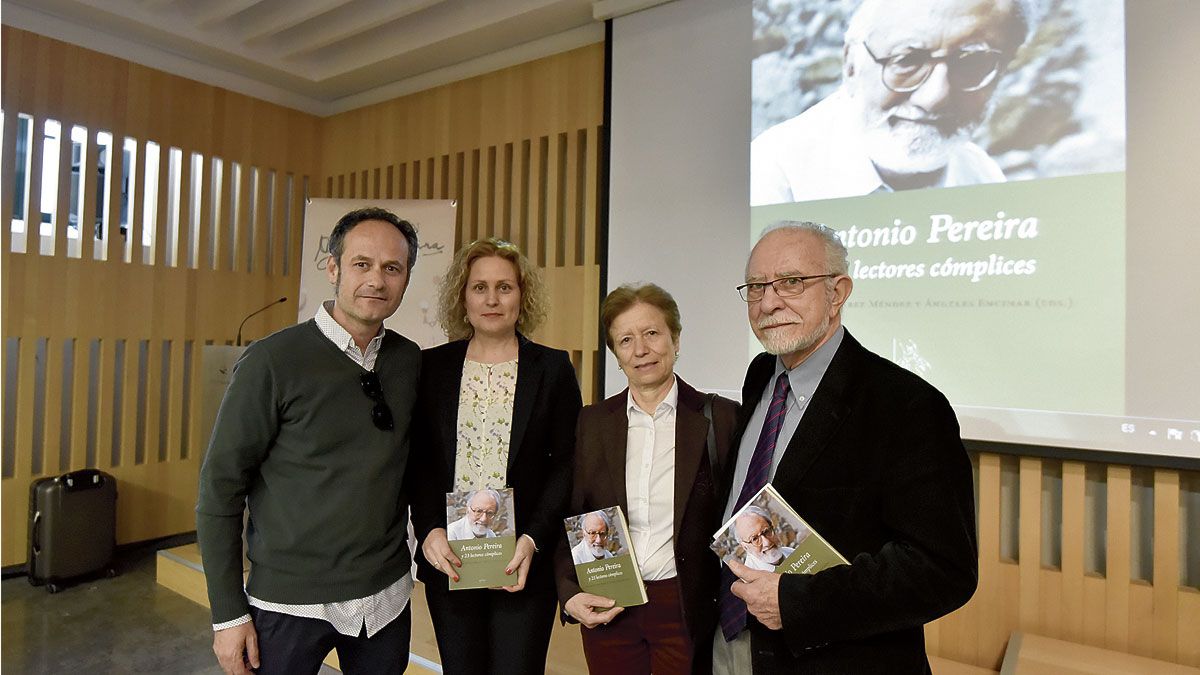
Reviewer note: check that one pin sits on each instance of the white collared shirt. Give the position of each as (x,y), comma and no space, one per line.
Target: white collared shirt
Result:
(376,611)
(650,484)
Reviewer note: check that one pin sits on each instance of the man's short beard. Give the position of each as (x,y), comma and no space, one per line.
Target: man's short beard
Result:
(597,551)
(780,345)
(776,553)
(911,147)
(479,529)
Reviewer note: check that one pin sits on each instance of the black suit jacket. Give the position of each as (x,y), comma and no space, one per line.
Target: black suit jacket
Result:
(600,483)
(878,468)
(545,410)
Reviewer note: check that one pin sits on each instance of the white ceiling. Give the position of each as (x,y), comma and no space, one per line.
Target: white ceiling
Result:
(322,56)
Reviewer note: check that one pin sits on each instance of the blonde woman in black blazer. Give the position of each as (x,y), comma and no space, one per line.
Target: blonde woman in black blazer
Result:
(491,295)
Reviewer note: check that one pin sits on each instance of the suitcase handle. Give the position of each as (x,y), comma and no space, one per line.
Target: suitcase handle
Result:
(84,479)
(36,544)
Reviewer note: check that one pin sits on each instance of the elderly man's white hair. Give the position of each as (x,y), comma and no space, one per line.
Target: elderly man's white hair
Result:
(1025,12)
(599,514)
(489,492)
(835,250)
(757,511)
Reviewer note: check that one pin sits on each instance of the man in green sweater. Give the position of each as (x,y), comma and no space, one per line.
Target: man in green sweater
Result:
(312,437)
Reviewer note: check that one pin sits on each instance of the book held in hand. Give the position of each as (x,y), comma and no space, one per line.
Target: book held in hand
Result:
(767,534)
(605,562)
(482,533)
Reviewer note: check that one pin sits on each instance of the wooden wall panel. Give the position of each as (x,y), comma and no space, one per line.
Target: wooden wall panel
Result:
(1109,609)
(72,289)
(519,149)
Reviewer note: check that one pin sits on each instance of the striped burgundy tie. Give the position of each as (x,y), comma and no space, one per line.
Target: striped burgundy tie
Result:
(733,610)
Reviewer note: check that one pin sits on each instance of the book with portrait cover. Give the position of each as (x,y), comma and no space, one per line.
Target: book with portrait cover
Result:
(605,562)
(482,532)
(767,534)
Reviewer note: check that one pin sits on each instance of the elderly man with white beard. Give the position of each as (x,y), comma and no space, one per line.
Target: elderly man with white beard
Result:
(917,79)
(759,540)
(476,523)
(594,531)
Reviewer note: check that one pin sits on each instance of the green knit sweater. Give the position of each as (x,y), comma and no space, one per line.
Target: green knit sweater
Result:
(294,442)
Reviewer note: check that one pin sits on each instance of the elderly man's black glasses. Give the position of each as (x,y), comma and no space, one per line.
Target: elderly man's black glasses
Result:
(966,69)
(381,414)
(785,287)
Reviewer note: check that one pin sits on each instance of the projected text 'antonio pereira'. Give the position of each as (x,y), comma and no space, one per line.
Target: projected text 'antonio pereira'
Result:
(944,229)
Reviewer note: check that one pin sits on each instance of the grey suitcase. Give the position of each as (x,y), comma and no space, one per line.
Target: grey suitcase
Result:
(72,527)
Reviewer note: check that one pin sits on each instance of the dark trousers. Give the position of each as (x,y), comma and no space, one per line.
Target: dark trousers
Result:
(492,631)
(649,638)
(290,645)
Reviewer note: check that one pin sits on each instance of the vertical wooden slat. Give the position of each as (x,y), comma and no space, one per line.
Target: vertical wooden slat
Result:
(591,248)
(128,412)
(992,635)
(279,207)
(430,178)
(79,403)
(33,207)
(244,228)
(1117,561)
(105,378)
(63,216)
(402,180)
(510,190)
(114,241)
(1095,617)
(224,216)
(262,222)
(1073,480)
(573,209)
(521,211)
(296,250)
(23,438)
(485,207)
(1141,618)
(52,410)
(193,444)
(88,184)
(1166,565)
(134,248)
(470,200)
(390,182)
(554,206)
(175,402)
(1029,541)
(184,237)
(162,248)
(153,401)
(8,176)
(537,200)
(445,166)
(414,179)
(457,178)
(204,226)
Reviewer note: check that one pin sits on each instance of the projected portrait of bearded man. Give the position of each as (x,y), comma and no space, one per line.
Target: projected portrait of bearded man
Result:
(916,81)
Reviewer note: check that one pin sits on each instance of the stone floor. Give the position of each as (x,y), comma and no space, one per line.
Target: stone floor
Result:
(129,624)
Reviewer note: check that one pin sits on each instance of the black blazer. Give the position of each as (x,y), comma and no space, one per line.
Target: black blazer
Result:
(600,483)
(545,410)
(878,468)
